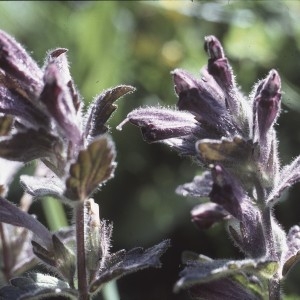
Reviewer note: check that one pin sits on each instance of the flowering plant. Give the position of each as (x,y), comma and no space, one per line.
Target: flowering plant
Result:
(42,118)
(233,138)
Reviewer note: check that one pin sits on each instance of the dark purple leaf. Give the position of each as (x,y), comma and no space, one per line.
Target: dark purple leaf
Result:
(102,108)
(30,145)
(132,261)
(59,257)
(225,289)
(16,249)
(291,255)
(20,67)
(227,192)
(14,104)
(11,214)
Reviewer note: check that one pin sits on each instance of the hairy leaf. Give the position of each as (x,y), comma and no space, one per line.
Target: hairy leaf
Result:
(102,108)
(201,272)
(132,261)
(37,286)
(14,104)
(42,186)
(6,123)
(228,289)
(20,67)
(17,254)
(29,145)
(94,166)
(199,187)
(60,257)
(291,256)
(289,175)
(227,151)
(58,100)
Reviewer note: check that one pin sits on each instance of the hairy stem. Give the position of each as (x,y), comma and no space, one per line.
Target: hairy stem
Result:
(274,283)
(274,289)
(81,261)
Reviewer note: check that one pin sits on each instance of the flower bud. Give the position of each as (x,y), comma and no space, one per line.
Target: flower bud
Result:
(266,104)
(205,215)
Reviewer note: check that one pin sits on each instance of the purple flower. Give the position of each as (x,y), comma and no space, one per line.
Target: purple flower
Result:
(234,138)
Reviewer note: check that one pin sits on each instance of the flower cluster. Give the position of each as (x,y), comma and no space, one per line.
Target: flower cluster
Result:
(233,138)
(42,118)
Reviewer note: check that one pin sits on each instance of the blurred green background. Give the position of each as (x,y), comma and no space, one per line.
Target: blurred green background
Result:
(140,43)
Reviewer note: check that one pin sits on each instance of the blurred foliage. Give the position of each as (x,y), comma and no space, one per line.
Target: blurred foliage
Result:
(139,43)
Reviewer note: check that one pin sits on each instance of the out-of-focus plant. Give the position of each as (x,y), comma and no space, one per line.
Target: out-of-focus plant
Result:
(233,138)
(42,118)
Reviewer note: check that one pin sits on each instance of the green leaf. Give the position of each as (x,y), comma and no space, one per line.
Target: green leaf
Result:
(93,167)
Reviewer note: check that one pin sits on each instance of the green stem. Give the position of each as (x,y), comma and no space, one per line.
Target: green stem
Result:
(110,291)
(54,213)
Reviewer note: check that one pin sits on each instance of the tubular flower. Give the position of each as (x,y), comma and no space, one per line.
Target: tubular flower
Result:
(233,137)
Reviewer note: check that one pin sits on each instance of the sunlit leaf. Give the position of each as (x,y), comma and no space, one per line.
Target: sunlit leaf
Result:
(93,167)
(291,255)
(20,67)
(16,105)
(37,286)
(61,257)
(225,150)
(199,187)
(11,214)
(289,175)
(129,262)
(29,145)
(102,108)
(6,123)
(57,98)
(42,186)
(197,272)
